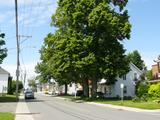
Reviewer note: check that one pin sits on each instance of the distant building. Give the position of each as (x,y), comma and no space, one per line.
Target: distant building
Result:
(155,71)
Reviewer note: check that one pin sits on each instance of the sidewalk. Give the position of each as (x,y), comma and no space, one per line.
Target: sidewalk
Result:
(22,111)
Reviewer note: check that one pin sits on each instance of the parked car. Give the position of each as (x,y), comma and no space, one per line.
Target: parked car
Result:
(29,94)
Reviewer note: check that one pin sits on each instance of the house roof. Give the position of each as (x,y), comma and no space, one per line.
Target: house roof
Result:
(135,67)
(3,71)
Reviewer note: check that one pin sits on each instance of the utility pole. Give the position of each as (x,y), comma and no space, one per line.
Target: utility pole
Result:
(17,40)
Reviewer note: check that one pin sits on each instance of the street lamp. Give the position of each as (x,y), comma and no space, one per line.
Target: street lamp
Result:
(122,87)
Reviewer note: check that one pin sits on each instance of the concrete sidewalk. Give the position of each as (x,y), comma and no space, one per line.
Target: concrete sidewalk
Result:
(22,111)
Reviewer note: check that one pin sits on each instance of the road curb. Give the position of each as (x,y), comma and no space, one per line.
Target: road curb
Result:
(124,108)
(115,106)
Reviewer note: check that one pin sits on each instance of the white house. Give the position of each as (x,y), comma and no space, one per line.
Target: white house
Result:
(127,80)
(4,77)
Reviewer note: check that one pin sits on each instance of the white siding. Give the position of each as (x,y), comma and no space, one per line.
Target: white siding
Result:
(3,82)
(129,83)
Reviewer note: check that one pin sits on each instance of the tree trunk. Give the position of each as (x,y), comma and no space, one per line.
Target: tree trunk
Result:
(94,88)
(85,88)
(66,87)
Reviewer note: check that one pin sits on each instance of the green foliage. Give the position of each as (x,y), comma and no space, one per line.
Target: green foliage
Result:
(154,91)
(142,90)
(32,83)
(8,98)
(3,51)
(148,75)
(136,59)
(20,86)
(87,41)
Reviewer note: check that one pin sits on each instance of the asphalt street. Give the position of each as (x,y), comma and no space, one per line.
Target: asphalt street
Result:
(52,108)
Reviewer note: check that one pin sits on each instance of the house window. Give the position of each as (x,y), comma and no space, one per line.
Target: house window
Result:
(124,77)
(125,89)
(135,77)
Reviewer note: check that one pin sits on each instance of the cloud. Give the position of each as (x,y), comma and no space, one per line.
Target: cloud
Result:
(35,13)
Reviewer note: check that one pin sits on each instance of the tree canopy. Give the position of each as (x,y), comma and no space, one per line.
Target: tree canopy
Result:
(136,59)
(87,41)
(3,51)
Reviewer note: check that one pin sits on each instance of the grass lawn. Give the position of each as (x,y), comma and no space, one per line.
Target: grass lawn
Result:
(7,116)
(129,103)
(71,97)
(7,98)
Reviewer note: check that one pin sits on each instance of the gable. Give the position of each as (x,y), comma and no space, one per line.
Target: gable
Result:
(135,69)
(3,71)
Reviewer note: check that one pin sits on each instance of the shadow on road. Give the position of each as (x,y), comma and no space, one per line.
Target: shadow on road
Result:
(34,100)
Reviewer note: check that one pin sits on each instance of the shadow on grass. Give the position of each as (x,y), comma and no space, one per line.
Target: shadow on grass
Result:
(8,98)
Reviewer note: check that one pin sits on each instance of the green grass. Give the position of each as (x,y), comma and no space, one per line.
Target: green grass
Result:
(71,97)
(150,105)
(7,116)
(129,103)
(7,98)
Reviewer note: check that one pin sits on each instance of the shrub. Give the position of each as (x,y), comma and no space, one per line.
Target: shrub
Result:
(142,90)
(154,91)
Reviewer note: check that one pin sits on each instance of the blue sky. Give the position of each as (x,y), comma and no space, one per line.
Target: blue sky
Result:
(35,18)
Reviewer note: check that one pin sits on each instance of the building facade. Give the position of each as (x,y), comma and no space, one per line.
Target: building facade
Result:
(129,81)
(155,71)
(4,80)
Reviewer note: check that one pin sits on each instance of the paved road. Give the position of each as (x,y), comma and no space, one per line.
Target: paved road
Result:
(51,108)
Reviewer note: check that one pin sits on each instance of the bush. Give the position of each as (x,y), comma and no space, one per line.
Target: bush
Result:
(142,90)
(154,91)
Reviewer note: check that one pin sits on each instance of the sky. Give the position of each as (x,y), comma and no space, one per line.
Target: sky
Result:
(35,19)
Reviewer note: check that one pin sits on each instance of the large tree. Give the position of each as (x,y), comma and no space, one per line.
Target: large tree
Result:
(136,59)
(87,43)
(3,51)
